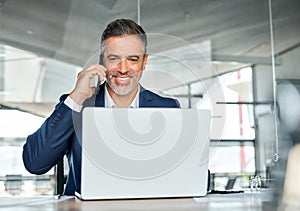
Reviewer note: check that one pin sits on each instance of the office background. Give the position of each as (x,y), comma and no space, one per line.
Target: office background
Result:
(239,58)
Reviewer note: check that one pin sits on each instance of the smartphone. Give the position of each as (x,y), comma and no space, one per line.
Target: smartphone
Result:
(95,80)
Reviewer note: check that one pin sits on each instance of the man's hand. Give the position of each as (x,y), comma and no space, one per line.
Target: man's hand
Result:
(82,90)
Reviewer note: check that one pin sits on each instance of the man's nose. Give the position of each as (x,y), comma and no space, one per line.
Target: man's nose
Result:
(123,66)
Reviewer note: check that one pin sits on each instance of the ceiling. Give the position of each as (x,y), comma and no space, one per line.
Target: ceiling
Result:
(231,33)
(69,30)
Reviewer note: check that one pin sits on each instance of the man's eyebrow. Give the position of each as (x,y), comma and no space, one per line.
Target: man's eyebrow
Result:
(138,56)
(129,56)
(112,55)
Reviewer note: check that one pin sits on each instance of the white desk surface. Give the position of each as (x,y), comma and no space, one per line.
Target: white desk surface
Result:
(237,201)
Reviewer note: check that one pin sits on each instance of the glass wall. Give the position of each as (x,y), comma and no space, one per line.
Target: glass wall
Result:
(31,86)
(232,154)
(286,52)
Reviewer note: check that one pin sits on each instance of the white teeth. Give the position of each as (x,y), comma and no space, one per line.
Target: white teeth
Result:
(123,79)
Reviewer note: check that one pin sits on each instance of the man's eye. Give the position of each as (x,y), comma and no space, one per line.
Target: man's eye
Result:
(112,59)
(133,59)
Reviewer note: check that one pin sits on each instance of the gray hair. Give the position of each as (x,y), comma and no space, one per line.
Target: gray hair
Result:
(122,27)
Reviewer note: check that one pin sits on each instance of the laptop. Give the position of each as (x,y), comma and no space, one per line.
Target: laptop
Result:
(144,153)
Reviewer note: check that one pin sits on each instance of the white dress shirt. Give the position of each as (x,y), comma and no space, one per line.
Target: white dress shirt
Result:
(108,101)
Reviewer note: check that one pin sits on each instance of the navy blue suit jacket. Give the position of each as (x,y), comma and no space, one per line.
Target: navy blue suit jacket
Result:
(56,137)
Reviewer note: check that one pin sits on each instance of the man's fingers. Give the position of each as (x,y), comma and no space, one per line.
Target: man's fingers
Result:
(93,70)
(97,67)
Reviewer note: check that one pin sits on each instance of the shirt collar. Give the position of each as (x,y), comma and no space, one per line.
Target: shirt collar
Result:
(109,103)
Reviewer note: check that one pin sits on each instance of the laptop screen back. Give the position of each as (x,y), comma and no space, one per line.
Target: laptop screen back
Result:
(144,153)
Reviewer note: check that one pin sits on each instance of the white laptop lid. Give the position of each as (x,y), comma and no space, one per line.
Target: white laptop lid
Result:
(144,153)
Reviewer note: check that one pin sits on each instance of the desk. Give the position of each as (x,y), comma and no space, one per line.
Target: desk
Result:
(240,201)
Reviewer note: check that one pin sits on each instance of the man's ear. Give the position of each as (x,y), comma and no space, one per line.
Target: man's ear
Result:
(145,59)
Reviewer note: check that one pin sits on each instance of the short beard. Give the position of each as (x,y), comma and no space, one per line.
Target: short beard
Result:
(119,90)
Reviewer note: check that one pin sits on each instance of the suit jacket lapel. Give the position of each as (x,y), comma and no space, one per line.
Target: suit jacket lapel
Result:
(145,99)
(99,102)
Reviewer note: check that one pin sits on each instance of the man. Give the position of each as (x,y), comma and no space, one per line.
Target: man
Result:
(122,61)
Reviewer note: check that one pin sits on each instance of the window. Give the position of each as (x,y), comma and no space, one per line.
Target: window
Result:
(229,97)
(14,178)
(25,102)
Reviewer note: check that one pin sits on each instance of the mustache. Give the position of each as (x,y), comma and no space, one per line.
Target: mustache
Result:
(117,74)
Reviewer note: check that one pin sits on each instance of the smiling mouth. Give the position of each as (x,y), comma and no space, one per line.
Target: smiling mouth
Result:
(122,80)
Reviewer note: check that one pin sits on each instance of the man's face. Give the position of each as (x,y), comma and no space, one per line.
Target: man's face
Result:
(124,59)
